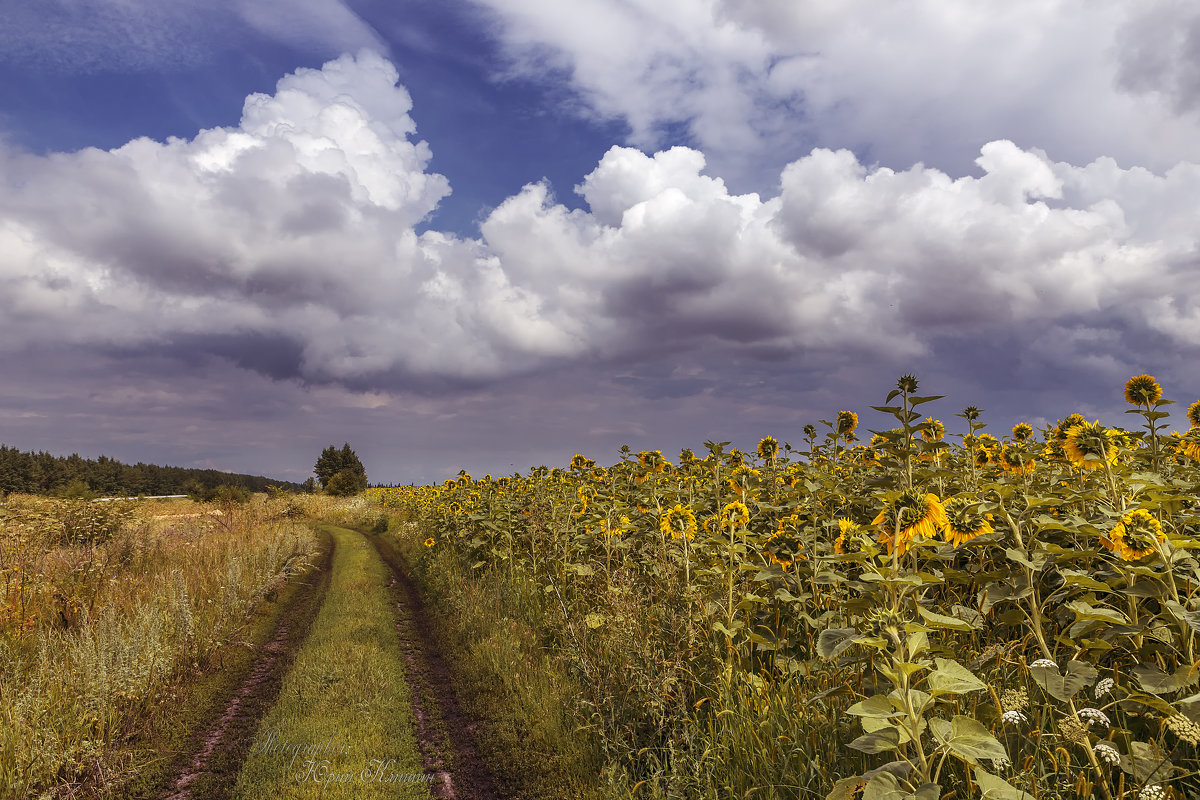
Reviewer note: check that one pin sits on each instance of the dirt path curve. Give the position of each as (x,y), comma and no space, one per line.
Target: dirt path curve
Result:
(220,750)
(443,728)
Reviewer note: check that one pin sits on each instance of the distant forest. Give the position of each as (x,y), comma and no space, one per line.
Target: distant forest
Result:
(73,475)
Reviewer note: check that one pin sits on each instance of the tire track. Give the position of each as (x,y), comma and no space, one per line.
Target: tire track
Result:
(212,771)
(445,733)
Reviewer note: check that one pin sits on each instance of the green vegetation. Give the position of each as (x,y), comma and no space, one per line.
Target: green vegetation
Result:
(343,725)
(73,476)
(107,610)
(911,618)
(340,472)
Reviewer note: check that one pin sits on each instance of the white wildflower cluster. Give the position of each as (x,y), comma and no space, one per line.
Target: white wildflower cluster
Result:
(1184,728)
(1107,753)
(1043,662)
(1103,687)
(1013,717)
(1152,792)
(1094,716)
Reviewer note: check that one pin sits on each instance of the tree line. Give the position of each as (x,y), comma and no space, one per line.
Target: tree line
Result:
(75,476)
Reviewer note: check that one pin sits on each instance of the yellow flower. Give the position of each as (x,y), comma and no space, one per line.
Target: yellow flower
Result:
(1193,414)
(913,514)
(1022,431)
(1089,446)
(933,430)
(679,522)
(962,522)
(429,542)
(734,514)
(768,447)
(580,461)
(1136,536)
(742,478)
(1142,390)
(846,422)
(1014,458)
(846,541)
(1189,443)
(784,546)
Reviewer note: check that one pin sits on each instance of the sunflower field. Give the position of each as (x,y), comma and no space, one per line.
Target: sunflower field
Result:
(910,617)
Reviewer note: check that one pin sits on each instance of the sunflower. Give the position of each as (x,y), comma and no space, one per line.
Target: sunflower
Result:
(784,546)
(735,514)
(742,478)
(914,514)
(1022,431)
(986,448)
(847,541)
(686,456)
(1136,536)
(963,523)
(679,522)
(768,447)
(1142,390)
(429,542)
(1014,458)
(1193,414)
(933,430)
(1189,443)
(1089,445)
(846,422)
(580,461)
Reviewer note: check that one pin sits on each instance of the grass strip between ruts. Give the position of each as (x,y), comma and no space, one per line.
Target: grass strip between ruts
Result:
(342,727)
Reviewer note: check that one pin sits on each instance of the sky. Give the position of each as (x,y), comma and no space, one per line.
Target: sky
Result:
(490,234)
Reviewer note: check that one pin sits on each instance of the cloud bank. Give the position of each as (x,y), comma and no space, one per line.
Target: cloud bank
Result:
(288,245)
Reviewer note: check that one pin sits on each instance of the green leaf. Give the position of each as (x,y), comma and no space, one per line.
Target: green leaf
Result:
(951,677)
(595,620)
(875,706)
(845,788)
(996,788)
(970,741)
(1147,763)
(834,641)
(877,742)
(1155,681)
(1064,687)
(942,621)
(884,786)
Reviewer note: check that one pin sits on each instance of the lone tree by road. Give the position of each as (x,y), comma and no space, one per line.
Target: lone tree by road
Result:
(340,472)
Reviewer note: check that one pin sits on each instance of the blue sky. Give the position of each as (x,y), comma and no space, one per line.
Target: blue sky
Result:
(490,234)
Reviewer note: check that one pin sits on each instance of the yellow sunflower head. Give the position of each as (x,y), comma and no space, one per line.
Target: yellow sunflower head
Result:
(1060,430)
(1189,443)
(1090,445)
(963,523)
(768,447)
(429,542)
(784,546)
(1142,390)
(1015,458)
(913,513)
(933,430)
(1136,536)
(846,422)
(580,461)
(1022,431)
(686,456)
(1193,414)
(847,540)
(735,514)
(679,522)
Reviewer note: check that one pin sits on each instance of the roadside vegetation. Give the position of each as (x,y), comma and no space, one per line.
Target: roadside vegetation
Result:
(912,616)
(108,611)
